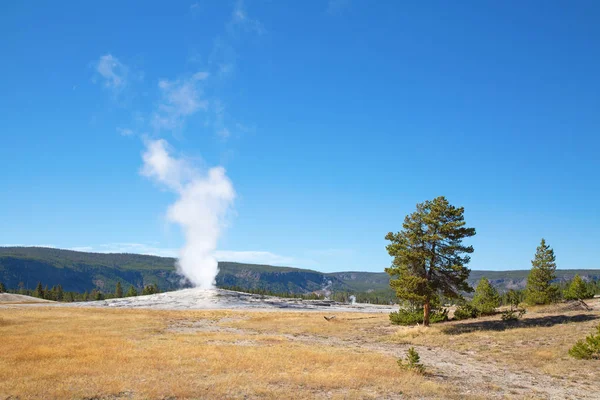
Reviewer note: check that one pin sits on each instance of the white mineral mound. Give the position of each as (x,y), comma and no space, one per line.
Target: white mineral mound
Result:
(206,299)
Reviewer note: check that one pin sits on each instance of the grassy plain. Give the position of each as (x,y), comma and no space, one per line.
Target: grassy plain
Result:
(55,352)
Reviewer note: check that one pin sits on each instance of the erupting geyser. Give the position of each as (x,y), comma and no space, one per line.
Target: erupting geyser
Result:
(204,200)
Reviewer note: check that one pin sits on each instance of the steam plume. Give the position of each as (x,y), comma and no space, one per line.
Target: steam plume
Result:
(200,210)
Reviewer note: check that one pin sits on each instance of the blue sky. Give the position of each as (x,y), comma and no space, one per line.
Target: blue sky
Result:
(332,119)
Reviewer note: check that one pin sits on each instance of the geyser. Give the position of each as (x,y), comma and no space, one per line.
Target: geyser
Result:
(204,199)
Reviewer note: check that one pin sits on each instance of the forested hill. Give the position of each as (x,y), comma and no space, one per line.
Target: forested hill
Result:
(79,271)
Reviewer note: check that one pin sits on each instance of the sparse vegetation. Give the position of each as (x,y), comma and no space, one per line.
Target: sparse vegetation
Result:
(587,349)
(151,354)
(513,313)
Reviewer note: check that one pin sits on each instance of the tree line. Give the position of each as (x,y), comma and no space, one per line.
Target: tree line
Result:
(56,293)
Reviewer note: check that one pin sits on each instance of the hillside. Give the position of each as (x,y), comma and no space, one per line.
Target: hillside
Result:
(80,271)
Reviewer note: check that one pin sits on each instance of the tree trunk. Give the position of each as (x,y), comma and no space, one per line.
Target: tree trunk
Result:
(426,309)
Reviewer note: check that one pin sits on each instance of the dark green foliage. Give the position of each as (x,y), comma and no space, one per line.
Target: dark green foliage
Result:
(486,298)
(466,311)
(412,362)
(408,317)
(99,296)
(511,296)
(118,290)
(39,291)
(2,288)
(85,296)
(539,282)
(59,296)
(587,349)
(150,289)
(577,290)
(131,292)
(429,257)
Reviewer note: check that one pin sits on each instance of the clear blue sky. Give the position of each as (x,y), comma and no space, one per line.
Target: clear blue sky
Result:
(332,119)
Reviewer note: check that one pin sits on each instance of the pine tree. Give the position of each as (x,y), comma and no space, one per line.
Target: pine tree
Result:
(39,291)
(539,288)
(429,257)
(486,297)
(59,293)
(99,296)
(577,290)
(588,349)
(85,296)
(119,290)
(131,292)
(412,361)
(2,288)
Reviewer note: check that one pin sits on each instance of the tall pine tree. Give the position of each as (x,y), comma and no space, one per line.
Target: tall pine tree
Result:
(540,289)
(39,291)
(118,290)
(2,288)
(429,257)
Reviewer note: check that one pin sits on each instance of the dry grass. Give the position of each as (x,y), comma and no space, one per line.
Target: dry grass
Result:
(538,342)
(58,353)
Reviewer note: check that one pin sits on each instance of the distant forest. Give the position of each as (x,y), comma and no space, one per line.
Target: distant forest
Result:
(83,276)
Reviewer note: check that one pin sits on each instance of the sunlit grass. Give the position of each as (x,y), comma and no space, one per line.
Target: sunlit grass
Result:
(53,353)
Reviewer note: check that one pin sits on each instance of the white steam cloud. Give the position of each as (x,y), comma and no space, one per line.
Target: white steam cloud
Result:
(204,199)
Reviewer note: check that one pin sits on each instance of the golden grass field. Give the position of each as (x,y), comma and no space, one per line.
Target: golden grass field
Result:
(50,352)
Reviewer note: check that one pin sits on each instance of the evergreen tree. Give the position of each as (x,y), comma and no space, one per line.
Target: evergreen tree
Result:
(47,293)
(70,297)
(150,289)
(588,349)
(59,293)
(131,292)
(429,257)
(99,296)
(486,297)
(85,296)
(119,290)
(577,290)
(39,291)
(539,288)
(2,288)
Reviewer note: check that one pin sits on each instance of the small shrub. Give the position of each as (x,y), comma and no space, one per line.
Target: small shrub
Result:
(588,349)
(412,361)
(513,314)
(466,311)
(407,317)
